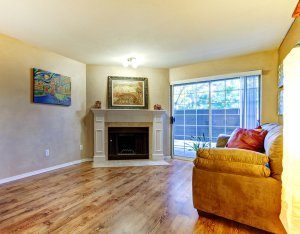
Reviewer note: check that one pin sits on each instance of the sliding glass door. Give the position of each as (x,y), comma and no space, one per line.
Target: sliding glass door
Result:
(191,115)
(208,109)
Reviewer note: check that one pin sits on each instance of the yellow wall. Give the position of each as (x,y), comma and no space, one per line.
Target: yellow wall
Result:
(291,39)
(266,61)
(96,89)
(28,129)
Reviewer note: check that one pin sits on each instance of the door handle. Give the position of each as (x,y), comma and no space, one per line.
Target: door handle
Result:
(172,120)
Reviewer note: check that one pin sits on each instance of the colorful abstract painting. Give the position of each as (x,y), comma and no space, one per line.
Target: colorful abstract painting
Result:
(51,88)
(128,92)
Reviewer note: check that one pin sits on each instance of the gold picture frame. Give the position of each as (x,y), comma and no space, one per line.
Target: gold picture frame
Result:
(127,92)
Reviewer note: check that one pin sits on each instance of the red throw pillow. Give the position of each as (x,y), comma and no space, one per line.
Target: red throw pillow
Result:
(249,139)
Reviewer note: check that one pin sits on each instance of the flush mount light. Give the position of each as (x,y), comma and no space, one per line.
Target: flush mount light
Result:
(131,62)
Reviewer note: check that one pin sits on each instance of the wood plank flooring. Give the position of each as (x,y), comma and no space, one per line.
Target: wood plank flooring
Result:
(80,199)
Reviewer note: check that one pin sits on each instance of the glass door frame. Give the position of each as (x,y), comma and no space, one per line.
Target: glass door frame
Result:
(173,156)
(209,79)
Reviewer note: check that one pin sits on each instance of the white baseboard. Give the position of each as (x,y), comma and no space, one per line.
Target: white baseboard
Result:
(32,173)
(87,160)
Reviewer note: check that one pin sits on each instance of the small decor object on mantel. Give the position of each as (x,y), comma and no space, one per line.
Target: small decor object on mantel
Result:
(127,92)
(97,105)
(51,88)
(157,107)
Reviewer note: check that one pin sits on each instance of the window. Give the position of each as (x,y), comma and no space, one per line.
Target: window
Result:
(213,107)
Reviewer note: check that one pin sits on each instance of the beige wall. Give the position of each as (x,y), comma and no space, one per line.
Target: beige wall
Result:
(266,61)
(24,136)
(28,129)
(96,89)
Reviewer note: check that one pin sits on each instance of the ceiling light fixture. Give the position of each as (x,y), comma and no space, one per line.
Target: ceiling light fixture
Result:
(131,62)
(297,11)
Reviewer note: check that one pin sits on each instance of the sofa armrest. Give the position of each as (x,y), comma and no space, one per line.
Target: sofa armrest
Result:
(222,140)
(233,161)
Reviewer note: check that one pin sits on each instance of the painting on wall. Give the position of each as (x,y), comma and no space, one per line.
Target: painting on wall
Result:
(127,92)
(51,88)
(280,102)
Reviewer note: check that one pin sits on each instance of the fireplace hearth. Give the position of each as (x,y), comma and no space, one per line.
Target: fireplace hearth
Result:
(128,143)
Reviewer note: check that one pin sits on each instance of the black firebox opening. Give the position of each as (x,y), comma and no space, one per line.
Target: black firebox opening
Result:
(128,143)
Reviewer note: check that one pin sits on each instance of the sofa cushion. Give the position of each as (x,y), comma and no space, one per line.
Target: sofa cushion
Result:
(250,139)
(236,168)
(274,148)
(233,155)
(233,161)
(222,140)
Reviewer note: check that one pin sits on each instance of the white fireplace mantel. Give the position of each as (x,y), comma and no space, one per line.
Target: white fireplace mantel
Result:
(102,116)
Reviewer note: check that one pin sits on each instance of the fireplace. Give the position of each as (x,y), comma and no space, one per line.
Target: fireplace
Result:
(128,143)
(153,120)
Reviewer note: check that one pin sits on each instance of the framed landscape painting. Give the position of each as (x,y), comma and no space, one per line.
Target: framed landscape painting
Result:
(127,92)
(51,88)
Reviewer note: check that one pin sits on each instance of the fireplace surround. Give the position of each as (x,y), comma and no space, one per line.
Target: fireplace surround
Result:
(154,120)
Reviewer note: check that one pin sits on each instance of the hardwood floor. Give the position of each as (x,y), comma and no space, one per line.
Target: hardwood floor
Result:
(80,199)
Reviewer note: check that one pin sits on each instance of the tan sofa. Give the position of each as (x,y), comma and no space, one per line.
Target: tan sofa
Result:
(236,184)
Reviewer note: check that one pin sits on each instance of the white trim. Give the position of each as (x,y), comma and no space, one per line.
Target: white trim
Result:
(157,157)
(32,173)
(184,158)
(132,163)
(217,77)
(260,97)
(130,111)
(87,160)
(167,157)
